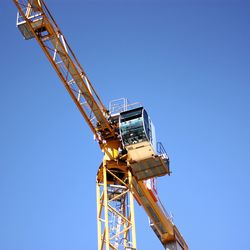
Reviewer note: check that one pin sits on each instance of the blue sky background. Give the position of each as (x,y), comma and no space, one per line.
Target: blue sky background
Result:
(187,61)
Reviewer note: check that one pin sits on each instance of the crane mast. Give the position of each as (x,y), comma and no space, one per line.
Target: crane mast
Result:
(132,158)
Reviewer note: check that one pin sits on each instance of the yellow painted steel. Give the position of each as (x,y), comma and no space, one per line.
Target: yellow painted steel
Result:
(68,68)
(111,150)
(165,228)
(116,186)
(98,202)
(132,209)
(115,207)
(105,204)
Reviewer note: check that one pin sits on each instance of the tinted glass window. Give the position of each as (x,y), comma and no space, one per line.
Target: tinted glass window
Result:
(132,132)
(146,124)
(132,114)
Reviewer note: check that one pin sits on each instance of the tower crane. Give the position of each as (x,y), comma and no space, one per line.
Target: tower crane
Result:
(125,133)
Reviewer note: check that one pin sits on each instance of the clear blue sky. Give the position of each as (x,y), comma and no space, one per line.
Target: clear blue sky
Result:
(187,61)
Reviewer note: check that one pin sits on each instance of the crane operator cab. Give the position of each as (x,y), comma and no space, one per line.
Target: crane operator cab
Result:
(146,157)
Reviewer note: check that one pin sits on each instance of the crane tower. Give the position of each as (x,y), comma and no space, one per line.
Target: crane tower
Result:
(133,158)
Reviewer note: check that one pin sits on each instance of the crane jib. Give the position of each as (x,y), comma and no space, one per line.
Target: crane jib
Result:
(33,21)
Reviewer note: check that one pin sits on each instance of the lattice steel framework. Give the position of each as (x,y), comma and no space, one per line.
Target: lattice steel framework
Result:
(115,185)
(115,209)
(35,21)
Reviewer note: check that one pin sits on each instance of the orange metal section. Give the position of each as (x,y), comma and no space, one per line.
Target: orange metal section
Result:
(67,66)
(163,225)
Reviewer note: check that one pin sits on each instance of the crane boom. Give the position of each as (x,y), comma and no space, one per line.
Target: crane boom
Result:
(131,157)
(36,21)
(160,221)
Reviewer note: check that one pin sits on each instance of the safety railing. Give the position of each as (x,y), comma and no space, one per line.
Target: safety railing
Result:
(161,151)
(122,104)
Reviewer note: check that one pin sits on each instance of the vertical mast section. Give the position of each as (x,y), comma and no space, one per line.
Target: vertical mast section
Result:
(115,208)
(35,21)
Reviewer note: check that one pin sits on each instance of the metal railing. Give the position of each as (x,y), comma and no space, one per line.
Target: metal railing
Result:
(161,151)
(122,104)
